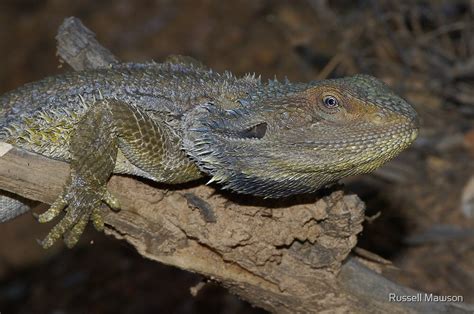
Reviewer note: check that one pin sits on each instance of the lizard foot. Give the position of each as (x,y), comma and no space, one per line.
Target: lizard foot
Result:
(81,204)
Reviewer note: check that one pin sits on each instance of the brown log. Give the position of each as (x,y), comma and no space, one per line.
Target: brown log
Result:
(290,256)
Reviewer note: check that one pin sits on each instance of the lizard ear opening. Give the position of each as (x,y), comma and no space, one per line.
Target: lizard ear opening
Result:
(256,132)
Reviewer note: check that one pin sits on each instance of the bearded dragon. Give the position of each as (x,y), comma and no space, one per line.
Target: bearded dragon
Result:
(177,121)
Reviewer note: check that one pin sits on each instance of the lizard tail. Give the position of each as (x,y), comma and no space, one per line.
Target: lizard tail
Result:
(12,206)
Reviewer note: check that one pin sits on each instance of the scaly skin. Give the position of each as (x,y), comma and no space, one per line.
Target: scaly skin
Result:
(176,121)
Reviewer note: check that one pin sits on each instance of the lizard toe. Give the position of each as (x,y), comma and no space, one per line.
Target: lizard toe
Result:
(57,232)
(72,236)
(111,201)
(53,211)
(97,219)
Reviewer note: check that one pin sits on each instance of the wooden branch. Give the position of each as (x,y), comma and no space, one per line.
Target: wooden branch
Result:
(284,256)
(79,48)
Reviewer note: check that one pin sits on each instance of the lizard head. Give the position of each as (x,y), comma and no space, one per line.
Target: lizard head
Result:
(287,139)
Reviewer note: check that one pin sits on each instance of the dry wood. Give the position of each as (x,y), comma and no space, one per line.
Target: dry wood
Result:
(284,256)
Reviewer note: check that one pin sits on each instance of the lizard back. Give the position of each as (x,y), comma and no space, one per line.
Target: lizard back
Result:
(40,116)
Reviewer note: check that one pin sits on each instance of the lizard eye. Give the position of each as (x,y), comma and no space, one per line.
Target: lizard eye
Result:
(330,102)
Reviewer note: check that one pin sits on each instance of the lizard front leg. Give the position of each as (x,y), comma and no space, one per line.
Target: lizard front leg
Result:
(93,148)
(148,143)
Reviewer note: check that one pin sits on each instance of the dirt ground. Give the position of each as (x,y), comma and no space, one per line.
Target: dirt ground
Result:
(421,205)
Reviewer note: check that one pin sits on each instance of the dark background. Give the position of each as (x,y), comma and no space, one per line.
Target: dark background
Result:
(423,49)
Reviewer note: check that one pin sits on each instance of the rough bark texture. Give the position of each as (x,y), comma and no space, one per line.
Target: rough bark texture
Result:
(286,257)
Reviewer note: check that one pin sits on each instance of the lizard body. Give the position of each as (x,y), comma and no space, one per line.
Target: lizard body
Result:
(177,121)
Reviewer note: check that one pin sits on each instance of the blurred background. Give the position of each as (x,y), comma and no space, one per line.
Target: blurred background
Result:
(420,206)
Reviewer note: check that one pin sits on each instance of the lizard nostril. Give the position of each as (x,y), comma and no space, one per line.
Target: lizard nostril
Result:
(379,118)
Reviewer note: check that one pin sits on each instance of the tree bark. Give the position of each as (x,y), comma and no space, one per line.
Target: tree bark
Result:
(290,256)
